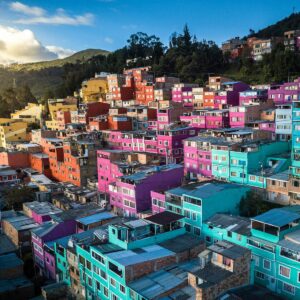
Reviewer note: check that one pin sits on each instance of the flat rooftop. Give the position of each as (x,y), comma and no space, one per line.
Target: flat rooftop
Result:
(10,260)
(42,208)
(158,283)
(6,245)
(140,255)
(182,243)
(7,285)
(138,176)
(228,250)
(22,223)
(231,223)
(96,218)
(204,190)
(277,217)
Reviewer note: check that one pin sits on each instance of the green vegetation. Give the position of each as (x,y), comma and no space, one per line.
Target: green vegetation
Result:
(253,204)
(80,56)
(291,22)
(15,197)
(13,99)
(186,57)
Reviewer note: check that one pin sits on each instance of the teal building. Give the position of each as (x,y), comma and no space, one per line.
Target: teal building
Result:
(249,162)
(274,241)
(199,201)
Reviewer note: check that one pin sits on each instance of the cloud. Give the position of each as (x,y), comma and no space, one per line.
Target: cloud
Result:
(27,10)
(108,40)
(37,15)
(60,52)
(22,46)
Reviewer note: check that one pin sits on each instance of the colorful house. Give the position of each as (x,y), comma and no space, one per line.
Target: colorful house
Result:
(199,201)
(130,194)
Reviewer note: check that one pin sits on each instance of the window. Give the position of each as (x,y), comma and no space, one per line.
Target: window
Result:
(256,260)
(103,274)
(188,227)
(81,260)
(284,271)
(115,269)
(114,297)
(122,288)
(98,257)
(90,281)
(208,239)
(288,288)
(267,264)
(88,265)
(229,233)
(197,231)
(112,282)
(260,275)
(105,291)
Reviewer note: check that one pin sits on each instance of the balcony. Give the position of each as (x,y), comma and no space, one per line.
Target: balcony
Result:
(294,255)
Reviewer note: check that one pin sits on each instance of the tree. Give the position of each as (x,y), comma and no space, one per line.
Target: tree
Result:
(24,95)
(4,108)
(253,204)
(14,197)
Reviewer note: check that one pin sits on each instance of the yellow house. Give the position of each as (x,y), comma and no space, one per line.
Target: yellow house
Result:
(94,89)
(56,105)
(12,131)
(32,113)
(52,125)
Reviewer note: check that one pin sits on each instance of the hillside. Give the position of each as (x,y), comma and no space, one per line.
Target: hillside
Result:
(289,23)
(81,56)
(191,62)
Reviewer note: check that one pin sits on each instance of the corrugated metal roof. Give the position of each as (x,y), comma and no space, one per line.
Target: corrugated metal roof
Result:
(129,257)
(277,217)
(96,218)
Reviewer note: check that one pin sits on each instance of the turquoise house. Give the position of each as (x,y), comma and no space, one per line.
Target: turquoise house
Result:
(274,240)
(130,250)
(249,163)
(199,201)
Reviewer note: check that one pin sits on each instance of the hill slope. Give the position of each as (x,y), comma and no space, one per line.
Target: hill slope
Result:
(289,23)
(81,56)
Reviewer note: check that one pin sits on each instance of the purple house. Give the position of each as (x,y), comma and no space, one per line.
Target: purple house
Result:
(229,94)
(131,194)
(62,224)
(286,92)
(251,97)
(170,141)
(44,234)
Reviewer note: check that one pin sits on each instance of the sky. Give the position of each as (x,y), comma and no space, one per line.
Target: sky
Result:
(35,30)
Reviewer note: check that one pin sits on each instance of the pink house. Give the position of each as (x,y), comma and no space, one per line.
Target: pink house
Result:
(267,126)
(158,201)
(40,212)
(217,119)
(197,156)
(167,142)
(131,194)
(183,92)
(112,164)
(170,141)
